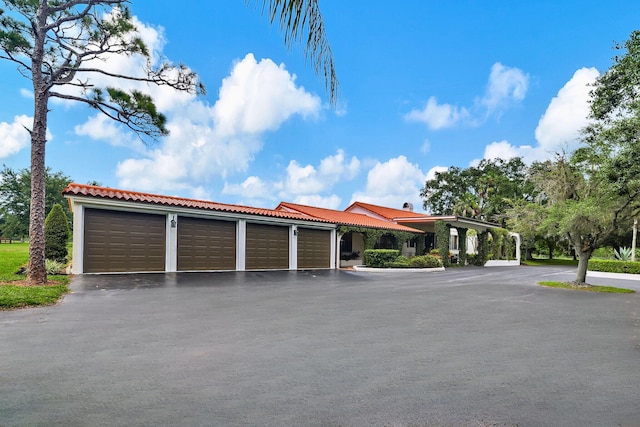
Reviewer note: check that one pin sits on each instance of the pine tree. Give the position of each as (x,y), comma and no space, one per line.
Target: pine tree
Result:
(56,232)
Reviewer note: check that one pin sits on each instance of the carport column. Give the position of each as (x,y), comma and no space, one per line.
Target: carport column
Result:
(293,247)
(241,245)
(334,252)
(171,245)
(77,266)
(518,242)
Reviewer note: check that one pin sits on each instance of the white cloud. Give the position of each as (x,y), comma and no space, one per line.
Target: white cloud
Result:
(392,184)
(13,136)
(306,184)
(558,128)
(100,127)
(26,93)
(437,116)
(258,97)
(336,168)
(328,202)
(567,113)
(426,147)
(431,173)
(506,85)
(206,142)
(252,187)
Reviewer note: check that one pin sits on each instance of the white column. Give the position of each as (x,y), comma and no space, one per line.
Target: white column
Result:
(77,266)
(517,237)
(241,244)
(335,240)
(293,247)
(171,243)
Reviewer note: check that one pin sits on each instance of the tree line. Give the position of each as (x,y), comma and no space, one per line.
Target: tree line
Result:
(15,199)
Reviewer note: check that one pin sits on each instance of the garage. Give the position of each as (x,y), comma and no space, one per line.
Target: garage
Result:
(314,248)
(267,247)
(118,241)
(206,244)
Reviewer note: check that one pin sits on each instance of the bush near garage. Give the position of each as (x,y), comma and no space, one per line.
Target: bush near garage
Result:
(400,262)
(425,261)
(56,234)
(377,258)
(614,266)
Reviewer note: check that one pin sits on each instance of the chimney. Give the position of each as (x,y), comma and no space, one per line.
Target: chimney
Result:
(407,207)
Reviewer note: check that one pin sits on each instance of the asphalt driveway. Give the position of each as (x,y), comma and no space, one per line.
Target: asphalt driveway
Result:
(465,347)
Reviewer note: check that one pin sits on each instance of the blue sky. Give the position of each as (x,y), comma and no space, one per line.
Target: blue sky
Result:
(423,85)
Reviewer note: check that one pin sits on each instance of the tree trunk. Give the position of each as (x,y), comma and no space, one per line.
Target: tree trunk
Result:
(528,254)
(37,272)
(583,262)
(634,239)
(550,246)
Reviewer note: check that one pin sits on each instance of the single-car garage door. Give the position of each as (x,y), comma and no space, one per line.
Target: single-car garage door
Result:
(116,241)
(205,244)
(267,247)
(314,248)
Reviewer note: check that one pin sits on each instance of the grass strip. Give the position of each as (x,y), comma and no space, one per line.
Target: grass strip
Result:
(588,288)
(20,296)
(536,262)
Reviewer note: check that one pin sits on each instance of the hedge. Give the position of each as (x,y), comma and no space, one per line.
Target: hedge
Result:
(614,266)
(379,257)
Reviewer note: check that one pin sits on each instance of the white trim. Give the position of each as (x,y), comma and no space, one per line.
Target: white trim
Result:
(171,245)
(293,247)
(334,251)
(241,245)
(77,266)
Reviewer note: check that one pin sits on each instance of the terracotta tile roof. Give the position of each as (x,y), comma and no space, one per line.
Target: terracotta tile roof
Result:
(154,199)
(345,218)
(389,213)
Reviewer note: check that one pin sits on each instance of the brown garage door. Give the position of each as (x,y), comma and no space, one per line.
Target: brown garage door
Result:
(205,244)
(117,241)
(314,248)
(267,247)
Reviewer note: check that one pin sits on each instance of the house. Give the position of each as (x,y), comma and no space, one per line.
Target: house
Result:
(121,231)
(406,216)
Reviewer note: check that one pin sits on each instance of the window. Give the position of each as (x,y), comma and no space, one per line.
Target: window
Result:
(453,243)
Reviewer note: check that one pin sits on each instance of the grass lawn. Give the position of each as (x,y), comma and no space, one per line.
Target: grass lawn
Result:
(13,293)
(589,288)
(555,261)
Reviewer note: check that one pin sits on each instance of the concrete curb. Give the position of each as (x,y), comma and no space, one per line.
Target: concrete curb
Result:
(621,276)
(395,270)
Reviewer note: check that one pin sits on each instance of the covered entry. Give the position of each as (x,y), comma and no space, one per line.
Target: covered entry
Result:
(267,247)
(117,241)
(206,244)
(314,248)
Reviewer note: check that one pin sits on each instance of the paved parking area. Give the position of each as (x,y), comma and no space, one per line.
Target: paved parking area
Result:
(464,347)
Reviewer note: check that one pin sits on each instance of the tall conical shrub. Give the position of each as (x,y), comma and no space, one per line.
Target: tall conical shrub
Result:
(56,234)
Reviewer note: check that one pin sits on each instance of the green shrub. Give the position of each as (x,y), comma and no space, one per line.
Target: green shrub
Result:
(613,266)
(56,234)
(379,257)
(397,264)
(604,253)
(425,261)
(54,267)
